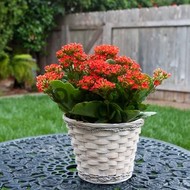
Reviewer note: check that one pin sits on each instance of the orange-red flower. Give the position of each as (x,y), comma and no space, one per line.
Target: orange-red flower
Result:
(95,84)
(105,51)
(100,72)
(159,75)
(53,72)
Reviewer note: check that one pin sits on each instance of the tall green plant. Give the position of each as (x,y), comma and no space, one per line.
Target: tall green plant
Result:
(33,29)
(23,68)
(4,65)
(10,14)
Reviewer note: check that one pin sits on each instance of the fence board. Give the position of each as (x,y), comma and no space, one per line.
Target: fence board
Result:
(187,60)
(127,40)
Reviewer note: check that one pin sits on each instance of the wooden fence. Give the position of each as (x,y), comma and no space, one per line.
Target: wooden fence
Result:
(155,37)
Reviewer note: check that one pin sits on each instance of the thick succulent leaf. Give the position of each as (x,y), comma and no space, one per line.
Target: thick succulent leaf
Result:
(119,96)
(142,107)
(114,114)
(65,94)
(131,115)
(95,109)
(117,117)
(142,95)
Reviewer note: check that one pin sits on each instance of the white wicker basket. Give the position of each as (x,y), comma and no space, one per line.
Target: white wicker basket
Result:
(104,153)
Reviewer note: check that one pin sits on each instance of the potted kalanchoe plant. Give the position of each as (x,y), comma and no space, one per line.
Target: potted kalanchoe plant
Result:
(102,97)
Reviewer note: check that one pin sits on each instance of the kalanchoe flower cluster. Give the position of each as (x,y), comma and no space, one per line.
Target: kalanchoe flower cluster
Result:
(159,75)
(70,56)
(105,52)
(53,72)
(114,82)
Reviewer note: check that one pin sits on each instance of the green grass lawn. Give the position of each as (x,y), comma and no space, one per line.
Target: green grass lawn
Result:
(38,115)
(29,116)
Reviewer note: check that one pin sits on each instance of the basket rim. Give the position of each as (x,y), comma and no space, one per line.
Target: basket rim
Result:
(138,122)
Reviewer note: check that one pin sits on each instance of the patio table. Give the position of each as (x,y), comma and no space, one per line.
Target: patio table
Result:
(47,163)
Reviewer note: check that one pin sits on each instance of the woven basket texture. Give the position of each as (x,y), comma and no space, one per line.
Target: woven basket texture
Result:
(104,153)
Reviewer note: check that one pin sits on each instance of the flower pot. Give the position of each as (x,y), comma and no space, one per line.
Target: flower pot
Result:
(104,152)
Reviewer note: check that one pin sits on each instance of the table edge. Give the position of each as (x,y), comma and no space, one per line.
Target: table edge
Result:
(66,134)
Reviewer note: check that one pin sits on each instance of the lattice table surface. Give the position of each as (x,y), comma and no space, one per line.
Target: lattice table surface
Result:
(47,163)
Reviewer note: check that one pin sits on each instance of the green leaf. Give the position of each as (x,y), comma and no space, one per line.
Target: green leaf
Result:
(65,94)
(95,109)
(131,114)
(114,113)
(117,117)
(142,107)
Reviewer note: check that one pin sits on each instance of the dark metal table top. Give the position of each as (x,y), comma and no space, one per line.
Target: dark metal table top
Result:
(47,163)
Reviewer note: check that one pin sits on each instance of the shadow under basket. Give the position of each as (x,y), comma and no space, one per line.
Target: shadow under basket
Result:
(104,153)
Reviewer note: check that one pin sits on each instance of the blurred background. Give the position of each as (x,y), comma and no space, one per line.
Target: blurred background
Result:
(153,32)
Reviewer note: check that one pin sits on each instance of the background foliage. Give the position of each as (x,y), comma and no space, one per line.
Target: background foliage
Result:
(11,13)
(33,28)
(4,65)
(20,67)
